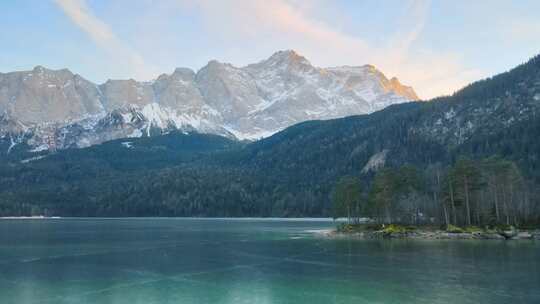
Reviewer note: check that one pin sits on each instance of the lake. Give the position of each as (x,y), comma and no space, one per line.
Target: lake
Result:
(252,261)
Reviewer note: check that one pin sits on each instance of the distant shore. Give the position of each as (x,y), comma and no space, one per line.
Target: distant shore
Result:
(420,233)
(36,217)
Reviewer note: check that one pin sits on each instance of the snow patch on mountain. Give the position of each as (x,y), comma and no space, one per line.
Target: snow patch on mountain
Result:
(59,109)
(376,161)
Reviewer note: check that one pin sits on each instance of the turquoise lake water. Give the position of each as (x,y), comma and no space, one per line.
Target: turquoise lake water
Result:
(251,261)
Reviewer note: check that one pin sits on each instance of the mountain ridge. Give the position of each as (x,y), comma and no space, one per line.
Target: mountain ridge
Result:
(290,173)
(247,102)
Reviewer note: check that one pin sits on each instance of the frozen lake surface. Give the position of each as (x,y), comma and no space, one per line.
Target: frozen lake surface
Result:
(250,261)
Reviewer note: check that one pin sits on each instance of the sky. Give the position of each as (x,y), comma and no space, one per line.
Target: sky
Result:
(435,46)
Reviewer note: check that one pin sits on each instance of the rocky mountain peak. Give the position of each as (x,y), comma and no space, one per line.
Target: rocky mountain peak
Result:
(289,56)
(38,68)
(213,65)
(44,95)
(49,73)
(183,73)
(244,102)
(407,91)
(287,59)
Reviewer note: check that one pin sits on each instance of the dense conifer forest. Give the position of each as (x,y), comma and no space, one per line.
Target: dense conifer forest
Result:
(486,192)
(467,159)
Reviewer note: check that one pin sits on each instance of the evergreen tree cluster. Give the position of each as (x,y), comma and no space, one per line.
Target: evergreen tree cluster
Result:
(486,192)
(470,158)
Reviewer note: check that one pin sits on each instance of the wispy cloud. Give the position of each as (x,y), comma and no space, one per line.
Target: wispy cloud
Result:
(237,29)
(127,58)
(288,24)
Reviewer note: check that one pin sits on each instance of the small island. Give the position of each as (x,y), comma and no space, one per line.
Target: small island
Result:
(486,199)
(396,231)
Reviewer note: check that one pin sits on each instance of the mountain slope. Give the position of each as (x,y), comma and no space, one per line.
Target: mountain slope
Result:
(290,173)
(419,133)
(43,95)
(61,110)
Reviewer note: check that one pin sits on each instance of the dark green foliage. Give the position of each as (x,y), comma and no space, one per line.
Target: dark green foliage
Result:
(348,227)
(466,180)
(393,228)
(383,195)
(346,199)
(294,172)
(454,229)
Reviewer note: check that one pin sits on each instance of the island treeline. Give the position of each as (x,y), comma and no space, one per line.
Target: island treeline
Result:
(490,191)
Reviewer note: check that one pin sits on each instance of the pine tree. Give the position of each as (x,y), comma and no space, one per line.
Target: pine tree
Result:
(383,194)
(468,179)
(346,198)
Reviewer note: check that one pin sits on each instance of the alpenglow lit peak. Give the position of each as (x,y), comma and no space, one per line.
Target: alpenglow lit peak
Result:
(248,102)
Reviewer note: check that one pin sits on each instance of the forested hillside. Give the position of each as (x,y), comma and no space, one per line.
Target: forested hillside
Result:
(293,172)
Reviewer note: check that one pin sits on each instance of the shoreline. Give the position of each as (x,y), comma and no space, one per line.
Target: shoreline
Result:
(288,219)
(37,217)
(430,235)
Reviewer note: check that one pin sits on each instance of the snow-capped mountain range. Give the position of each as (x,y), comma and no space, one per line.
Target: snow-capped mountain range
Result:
(58,109)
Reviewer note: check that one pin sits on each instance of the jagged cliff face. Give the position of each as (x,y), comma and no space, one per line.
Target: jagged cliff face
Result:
(44,95)
(243,102)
